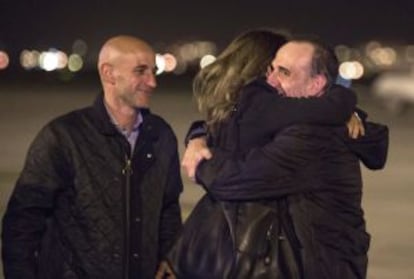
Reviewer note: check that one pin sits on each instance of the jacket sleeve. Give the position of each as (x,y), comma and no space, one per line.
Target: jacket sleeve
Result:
(30,205)
(262,104)
(197,129)
(272,170)
(333,108)
(170,223)
(372,148)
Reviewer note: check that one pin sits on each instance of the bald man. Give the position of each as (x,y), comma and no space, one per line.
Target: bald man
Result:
(98,195)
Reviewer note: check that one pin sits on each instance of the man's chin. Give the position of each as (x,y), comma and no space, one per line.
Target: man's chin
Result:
(142,103)
(142,106)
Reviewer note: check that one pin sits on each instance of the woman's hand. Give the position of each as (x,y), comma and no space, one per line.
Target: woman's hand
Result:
(195,152)
(355,126)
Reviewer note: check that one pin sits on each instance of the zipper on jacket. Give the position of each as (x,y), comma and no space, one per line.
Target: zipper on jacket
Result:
(127,171)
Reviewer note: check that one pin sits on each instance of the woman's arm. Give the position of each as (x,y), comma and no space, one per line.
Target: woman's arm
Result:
(273,170)
(261,103)
(277,168)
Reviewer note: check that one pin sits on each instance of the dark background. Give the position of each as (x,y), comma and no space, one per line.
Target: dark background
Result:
(44,24)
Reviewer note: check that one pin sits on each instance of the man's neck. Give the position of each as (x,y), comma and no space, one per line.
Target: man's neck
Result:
(123,115)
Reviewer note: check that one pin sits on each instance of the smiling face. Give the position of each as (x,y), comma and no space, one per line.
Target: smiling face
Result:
(291,71)
(127,70)
(134,78)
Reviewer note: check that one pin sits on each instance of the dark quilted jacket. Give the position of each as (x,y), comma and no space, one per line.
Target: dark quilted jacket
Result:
(83,207)
(309,174)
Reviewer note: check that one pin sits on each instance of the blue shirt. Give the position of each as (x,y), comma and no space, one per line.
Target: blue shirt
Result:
(132,135)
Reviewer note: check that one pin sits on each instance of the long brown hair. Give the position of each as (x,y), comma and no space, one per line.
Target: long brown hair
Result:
(216,87)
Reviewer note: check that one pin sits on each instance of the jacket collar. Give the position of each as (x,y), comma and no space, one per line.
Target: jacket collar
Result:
(103,120)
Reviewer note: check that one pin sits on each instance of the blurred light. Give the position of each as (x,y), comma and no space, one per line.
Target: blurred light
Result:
(371,46)
(206,47)
(370,67)
(396,89)
(356,54)
(207,60)
(80,47)
(160,62)
(186,55)
(52,60)
(359,70)
(75,62)
(170,62)
(192,52)
(183,55)
(48,60)
(181,68)
(384,56)
(62,60)
(343,52)
(4,60)
(351,70)
(188,52)
(345,70)
(29,59)
(409,53)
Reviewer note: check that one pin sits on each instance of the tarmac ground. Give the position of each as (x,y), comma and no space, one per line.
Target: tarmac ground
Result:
(25,106)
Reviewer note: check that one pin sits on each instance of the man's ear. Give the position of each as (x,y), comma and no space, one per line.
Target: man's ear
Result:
(107,74)
(318,84)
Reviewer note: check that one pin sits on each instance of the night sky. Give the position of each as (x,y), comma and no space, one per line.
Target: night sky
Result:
(44,23)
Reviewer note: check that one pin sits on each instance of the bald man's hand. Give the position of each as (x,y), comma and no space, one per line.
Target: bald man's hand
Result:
(195,152)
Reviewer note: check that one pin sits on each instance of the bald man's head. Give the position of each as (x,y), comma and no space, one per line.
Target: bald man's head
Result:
(126,67)
(121,45)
